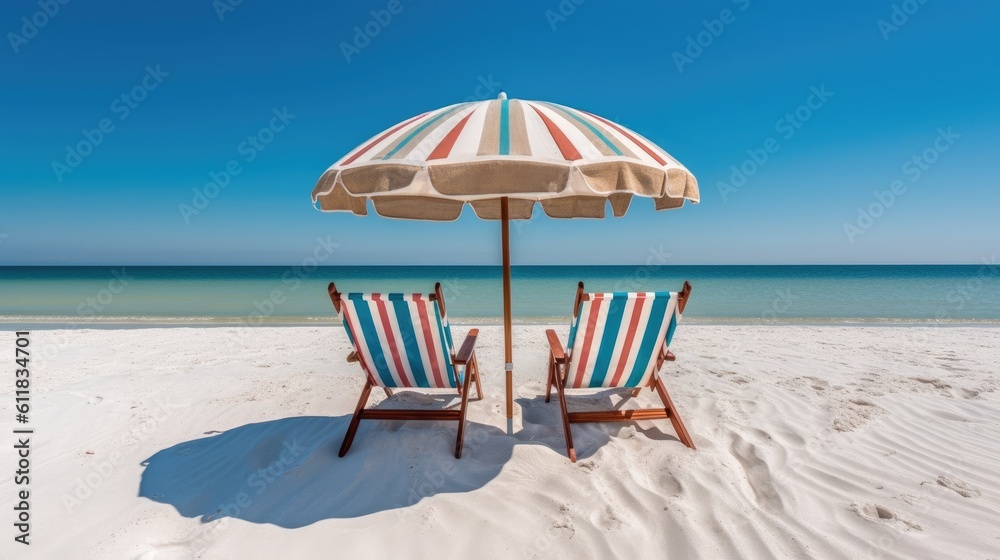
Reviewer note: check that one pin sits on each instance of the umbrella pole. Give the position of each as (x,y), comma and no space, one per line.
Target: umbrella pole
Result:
(508,347)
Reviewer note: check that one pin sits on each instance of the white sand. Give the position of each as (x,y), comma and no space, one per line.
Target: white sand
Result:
(824,442)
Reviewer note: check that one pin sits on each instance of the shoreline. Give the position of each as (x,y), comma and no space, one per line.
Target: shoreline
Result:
(73,323)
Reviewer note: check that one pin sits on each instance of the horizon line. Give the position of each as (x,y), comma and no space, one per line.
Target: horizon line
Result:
(411,265)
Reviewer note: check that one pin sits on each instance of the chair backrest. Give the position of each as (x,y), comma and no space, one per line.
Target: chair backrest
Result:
(402,340)
(615,338)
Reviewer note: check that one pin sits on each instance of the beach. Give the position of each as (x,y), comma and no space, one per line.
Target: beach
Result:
(818,441)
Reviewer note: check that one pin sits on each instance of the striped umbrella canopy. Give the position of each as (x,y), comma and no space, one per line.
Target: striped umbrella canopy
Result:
(501,157)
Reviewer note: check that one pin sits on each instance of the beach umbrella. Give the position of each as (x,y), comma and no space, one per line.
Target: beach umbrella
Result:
(502,157)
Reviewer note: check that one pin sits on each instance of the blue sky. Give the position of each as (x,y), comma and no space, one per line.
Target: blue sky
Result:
(921,84)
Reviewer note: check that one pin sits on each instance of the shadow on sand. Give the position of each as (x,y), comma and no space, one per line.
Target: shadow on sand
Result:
(286,472)
(542,422)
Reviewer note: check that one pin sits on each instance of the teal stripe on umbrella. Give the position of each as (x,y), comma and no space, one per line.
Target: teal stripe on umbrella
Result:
(420,129)
(504,128)
(597,132)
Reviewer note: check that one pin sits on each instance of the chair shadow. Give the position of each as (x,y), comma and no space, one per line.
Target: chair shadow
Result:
(542,422)
(286,472)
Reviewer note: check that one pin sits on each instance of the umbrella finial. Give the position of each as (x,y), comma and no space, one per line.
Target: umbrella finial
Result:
(502,96)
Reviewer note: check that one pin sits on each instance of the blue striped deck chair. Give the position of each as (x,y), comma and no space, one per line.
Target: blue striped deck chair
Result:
(617,340)
(404,341)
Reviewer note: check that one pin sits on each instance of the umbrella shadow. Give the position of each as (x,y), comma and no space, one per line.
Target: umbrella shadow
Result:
(542,422)
(286,472)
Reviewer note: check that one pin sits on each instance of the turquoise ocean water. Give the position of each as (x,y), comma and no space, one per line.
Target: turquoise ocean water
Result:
(809,294)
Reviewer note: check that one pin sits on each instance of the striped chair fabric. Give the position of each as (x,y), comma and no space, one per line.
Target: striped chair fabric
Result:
(615,338)
(401,339)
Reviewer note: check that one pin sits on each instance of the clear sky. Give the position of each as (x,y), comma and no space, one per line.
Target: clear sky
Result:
(903,79)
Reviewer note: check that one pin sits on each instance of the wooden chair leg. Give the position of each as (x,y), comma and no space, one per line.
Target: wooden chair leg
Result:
(479,384)
(548,381)
(675,418)
(461,417)
(388,392)
(567,432)
(352,428)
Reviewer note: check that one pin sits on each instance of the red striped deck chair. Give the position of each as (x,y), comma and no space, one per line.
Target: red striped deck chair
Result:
(617,340)
(404,341)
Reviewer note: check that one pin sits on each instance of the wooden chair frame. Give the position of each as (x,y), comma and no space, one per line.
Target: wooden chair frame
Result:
(466,357)
(559,368)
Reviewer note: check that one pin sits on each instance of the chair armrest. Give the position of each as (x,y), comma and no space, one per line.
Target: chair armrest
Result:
(464,355)
(665,355)
(353,357)
(555,347)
